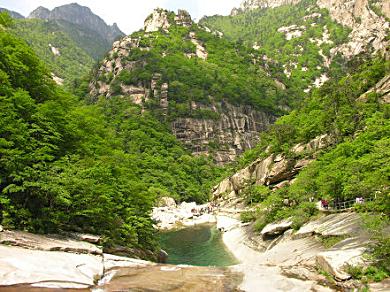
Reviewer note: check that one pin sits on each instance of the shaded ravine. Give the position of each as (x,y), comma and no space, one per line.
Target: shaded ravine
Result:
(201,245)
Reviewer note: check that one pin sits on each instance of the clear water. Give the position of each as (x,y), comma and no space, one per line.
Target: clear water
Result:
(199,246)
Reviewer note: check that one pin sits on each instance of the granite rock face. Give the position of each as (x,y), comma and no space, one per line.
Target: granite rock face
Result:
(369,28)
(51,269)
(273,171)
(231,130)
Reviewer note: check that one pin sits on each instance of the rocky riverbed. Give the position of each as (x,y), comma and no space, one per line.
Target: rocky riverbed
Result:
(276,259)
(168,215)
(31,262)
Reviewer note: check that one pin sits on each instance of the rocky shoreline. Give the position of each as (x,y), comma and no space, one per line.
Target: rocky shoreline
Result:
(30,262)
(277,258)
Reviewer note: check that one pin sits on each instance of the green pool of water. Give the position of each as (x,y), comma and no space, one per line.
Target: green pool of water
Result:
(199,246)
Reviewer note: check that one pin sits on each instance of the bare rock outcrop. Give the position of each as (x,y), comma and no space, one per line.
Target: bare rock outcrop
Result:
(341,224)
(382,88)
(272,171)
(156,21)
(336,261)
(369,30)
(49,243)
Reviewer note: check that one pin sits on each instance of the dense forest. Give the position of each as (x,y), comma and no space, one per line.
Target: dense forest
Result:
(232,72)
(302,55)
(70,166)
(356,165)
(71,62)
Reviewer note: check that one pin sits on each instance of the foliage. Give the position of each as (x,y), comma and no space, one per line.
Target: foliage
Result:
(67,165)
(231,73)
(259,27)
(357,165)
(367,274)
(72,63)
(330,241)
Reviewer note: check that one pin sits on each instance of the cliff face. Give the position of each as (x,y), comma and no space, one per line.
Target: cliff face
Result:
(366,19)
(82,16)
(236,130)
(226,129)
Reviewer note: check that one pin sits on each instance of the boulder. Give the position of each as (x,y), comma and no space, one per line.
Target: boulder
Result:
(167,202)
(276,228)
(48,268)
(47,243)
(336,261)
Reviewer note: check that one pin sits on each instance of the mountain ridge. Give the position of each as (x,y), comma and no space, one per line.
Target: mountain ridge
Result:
(80,15)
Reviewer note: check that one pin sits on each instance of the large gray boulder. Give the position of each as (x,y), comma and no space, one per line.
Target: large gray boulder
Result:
(276,228)
(336,261)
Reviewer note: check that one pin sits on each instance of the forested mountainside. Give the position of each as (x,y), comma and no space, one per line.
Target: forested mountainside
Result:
(311,40)
(84,27)
(69,39)
(13,14)
(335,147)
(69,166)
(66,59)
(215,94)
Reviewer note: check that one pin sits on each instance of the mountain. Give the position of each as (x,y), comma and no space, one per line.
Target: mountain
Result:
(310,39)
(82,17)
(67,165)
(69,39)
(64,56)
(215,94)
(13,14)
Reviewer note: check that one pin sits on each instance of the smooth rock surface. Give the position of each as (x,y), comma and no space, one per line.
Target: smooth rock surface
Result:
(47,243)
(340,224)
(48,268)
(335,262)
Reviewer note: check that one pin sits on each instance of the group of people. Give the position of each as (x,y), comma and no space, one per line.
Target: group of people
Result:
(325,203)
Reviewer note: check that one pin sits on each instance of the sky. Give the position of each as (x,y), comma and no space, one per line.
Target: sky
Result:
(129,14)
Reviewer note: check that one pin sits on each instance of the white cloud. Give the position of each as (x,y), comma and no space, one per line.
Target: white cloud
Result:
(129,14)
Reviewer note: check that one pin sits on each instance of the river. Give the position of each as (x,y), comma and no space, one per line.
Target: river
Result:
(201,245)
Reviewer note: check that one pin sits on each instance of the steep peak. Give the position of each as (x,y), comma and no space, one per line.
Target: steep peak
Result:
(163,19)
(41,12)
(157,20)
(81,16)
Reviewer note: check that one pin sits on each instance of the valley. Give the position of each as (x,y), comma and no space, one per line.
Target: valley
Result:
(246,152)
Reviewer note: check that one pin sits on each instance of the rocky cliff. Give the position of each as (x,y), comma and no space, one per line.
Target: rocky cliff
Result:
(217,127)
(81,16)
(274,171)
(367,19)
